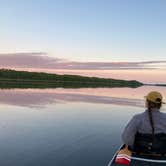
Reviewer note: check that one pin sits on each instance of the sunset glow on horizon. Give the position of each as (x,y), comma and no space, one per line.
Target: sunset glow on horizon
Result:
(146,72)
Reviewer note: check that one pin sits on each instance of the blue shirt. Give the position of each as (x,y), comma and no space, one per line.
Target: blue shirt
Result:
(141,123)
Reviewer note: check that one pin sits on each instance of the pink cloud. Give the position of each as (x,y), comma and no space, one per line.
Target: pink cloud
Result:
(43,61)
(147,72)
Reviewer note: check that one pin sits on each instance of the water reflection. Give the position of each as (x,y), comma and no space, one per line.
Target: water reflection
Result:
(38,98)
(74,127)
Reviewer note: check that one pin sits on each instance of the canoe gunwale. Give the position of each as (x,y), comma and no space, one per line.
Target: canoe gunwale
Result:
(113,158)
(136,158)
(148,160)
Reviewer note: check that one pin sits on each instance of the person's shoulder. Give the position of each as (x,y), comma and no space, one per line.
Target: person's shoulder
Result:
(139,116)
(163,114)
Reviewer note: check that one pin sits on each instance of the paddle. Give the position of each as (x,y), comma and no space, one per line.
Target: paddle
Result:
(123,156)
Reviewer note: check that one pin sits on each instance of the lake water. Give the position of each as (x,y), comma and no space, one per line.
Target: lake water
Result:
(65,127)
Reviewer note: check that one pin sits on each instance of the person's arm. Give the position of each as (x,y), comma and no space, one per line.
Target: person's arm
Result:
(130,130)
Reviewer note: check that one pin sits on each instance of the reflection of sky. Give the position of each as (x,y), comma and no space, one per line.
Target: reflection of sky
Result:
(42,97)
(71,128)
(77,133)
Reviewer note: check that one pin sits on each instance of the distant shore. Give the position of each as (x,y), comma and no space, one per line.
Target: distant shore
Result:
(24,79)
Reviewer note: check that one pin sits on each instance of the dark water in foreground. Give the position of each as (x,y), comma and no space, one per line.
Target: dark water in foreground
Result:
(62,128)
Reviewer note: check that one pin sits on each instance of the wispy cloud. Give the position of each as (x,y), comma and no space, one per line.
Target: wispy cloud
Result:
(41,60)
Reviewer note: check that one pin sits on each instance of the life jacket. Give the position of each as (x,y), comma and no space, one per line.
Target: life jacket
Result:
(151,144)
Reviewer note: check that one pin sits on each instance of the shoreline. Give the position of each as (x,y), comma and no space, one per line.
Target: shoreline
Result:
(23,79)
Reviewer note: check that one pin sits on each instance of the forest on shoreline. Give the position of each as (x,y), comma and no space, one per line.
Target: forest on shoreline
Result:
(24,79)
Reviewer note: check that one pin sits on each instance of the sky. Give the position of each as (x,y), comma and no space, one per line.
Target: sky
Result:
(85,30)
(144,71)
(107,38)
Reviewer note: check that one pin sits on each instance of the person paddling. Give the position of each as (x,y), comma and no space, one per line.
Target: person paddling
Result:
(146,132)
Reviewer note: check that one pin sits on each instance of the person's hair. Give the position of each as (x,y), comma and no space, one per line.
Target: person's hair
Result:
(151,105)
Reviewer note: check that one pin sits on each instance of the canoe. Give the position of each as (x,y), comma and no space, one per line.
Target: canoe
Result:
(136,159)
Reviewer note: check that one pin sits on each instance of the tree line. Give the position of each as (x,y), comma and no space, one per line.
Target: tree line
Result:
(26,78)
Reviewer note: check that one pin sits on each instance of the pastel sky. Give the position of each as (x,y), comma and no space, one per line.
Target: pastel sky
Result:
(122,39)
(144,71)
(85,30)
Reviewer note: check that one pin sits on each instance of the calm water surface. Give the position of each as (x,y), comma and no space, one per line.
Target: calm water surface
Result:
(62,127)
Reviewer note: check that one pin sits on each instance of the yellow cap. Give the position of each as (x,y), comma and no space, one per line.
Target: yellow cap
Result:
(155,97)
